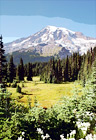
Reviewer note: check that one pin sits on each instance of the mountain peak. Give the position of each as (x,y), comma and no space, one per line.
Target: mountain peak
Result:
(52,40)
(54,28)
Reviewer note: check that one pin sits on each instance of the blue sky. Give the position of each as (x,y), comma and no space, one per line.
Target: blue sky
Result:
(21,18)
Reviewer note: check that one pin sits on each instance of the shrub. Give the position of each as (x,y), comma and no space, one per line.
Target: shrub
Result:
(9,85)
(14,85)
(79,134)
(22,84)
(18,89)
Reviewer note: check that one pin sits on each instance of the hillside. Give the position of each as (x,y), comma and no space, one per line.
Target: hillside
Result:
(50,41)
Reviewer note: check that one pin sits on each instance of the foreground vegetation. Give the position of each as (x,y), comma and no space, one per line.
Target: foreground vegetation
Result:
(73,117)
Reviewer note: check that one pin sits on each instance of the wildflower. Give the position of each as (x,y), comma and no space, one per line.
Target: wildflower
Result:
(73,133)
(74,111)
(39,130)
(43,137)
(20,138)
(67,136)
(47,136)
(23,133)
(62,137)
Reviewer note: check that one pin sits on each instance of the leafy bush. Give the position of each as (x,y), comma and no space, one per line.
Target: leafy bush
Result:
(18,89)
(22,84)
(14,85)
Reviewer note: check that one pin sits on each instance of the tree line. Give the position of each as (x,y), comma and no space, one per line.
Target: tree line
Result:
(69,69)
(13,72)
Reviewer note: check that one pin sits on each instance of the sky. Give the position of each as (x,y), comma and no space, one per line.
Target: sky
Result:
(22,18)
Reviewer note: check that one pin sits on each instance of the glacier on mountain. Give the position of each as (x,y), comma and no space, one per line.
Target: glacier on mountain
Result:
(50,38)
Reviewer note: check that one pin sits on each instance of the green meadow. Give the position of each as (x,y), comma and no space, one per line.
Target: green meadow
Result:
(46,94)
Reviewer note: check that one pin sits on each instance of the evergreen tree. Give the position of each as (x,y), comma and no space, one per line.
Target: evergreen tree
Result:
(81,71)
(25,70)
(4,103)
(93,82)
(75,71)
(2,62)
(21,70)
(5,71)
(29,72)
(66,77)
(11,70)
(51,72)
(94,54)
(18,72)
(56,72)
(59,71)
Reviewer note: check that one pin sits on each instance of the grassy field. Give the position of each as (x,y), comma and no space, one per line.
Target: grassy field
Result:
(46,94)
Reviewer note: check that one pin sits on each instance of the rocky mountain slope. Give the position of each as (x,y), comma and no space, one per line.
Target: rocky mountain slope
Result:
(52,41)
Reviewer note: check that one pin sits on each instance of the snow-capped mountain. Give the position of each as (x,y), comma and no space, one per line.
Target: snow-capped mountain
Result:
(53,41)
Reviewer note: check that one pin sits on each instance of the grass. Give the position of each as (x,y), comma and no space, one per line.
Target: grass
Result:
(46,94)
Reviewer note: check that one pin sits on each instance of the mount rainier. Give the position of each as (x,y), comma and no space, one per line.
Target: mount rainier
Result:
(52,41)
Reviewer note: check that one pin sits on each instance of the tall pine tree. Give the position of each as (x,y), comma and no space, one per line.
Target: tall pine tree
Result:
(2,62)
(60,78)
(11,70)
(66,77)
(21,70)
(29,72)
(18,72)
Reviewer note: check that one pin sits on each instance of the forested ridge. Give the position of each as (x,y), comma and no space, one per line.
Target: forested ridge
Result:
(71,118)
(55,71)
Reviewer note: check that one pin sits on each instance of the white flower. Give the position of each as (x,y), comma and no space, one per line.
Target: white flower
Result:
(73,133)
(74,111)
(84,128)
(20,138)
(62,137)
(71,139)
(47,136)
(23,133)
(94,137)
(39,130)
(67,135)
(43,137)
(90,137)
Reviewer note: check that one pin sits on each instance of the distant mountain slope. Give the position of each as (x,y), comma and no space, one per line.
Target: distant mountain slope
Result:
(52,41)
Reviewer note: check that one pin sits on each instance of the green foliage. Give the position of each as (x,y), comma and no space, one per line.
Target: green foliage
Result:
(28,57)
(57,120)
(79,134)
(18,89)
(14,84)
(10,129)
(58,71)
(20,71)
(3,71)
(61,118)
(35,102)
(11,70)
(22,84)
(29,72)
